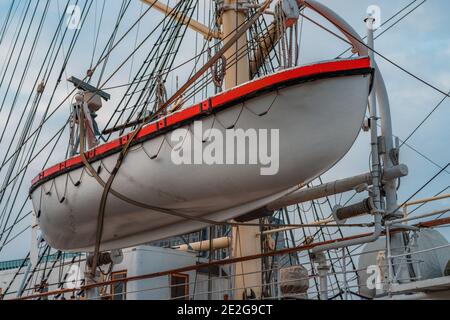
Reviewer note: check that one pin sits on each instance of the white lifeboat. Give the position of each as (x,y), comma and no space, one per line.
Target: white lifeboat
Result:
(317,109)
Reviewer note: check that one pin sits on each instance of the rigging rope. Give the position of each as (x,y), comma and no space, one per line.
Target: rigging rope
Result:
(168,40)
(21,25)
(26,67)
(5,25)
(47,117)
(426,83)
(37,131)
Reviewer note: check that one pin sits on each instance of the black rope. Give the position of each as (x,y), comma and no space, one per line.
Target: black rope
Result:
(428,84)
(15,43)
(48,106)
(26,68)
(6,22)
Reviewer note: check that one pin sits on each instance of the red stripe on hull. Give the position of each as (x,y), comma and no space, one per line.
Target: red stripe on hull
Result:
(222,99)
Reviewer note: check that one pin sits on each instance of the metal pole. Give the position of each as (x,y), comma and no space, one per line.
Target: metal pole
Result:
(376,167)
(336,187)
(426,200)
(389,255)
(390,156)
(24,280)
(344,263)
(34,254)
(91,279)
(322,269)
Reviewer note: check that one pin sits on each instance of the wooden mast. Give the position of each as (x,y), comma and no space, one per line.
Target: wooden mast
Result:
(245,240)
(234,15)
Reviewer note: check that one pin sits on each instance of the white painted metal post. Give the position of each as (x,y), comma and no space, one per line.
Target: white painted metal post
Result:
(323,270)
(376,166)
(389,185)
(389,257)
(344,264)
(91,277)
(34,253)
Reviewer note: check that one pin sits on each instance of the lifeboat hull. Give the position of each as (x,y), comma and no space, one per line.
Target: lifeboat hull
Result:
(318,121)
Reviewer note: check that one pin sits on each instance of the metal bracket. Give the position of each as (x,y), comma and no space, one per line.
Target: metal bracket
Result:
(291,11)
(381,145)
(79,84)
(242,6)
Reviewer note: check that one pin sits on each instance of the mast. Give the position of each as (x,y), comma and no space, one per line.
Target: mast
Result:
(245,240)
(234,15)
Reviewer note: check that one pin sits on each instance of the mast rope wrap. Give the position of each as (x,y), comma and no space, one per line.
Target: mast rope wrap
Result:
(219,70)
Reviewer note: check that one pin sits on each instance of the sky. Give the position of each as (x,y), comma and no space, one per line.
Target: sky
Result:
(420,44)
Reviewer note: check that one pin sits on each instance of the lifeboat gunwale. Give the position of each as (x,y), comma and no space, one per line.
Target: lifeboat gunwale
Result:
(212,105)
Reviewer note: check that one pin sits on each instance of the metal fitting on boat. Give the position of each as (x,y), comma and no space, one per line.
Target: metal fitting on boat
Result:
(105,258)
(341,214)
(366,125)
(291,11)
(79,97)
(41,87)
(322,269)
(242,5)
(93,100)
(294,281)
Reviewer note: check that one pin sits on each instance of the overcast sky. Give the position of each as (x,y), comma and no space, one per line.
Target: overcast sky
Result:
(420,44)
